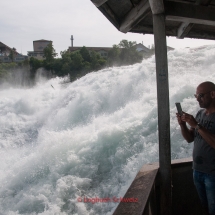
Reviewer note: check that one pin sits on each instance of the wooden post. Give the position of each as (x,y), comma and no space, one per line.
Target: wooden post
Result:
(163,113)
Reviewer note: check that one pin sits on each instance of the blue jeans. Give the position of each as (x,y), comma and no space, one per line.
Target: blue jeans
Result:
(205,185)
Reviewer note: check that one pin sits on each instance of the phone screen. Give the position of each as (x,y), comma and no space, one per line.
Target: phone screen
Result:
(179,109)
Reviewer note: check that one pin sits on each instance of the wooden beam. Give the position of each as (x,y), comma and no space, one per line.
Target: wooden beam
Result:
(196,34)
(197,14)
(203,2)
(191,20)
(163,114)
(157,6)
(142,29)
(98,3)
(110,15)
(135,16)
(185,27)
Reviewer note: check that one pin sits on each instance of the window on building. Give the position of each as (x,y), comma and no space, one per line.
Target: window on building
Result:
(19,58)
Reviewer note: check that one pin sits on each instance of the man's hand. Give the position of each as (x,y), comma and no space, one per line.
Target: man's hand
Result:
(189,119)
(188,134)
(180,122)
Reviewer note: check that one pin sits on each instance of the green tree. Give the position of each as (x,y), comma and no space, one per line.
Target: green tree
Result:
(7,70)
(85,54)
(113,56)
(76,66)
(124,53)
(86,67)
(34,65)
(61,66)
(57,67)
(129,55)
(77,61)
(25,62)
(66,56)
(65,70)
(127,44)
(95,57)
(3,72)
(12,54)
(49,53)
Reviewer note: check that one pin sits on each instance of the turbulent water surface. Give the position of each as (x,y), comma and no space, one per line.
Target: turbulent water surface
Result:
(88,139)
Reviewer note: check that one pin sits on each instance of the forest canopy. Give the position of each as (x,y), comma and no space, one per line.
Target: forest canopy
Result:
(76,64)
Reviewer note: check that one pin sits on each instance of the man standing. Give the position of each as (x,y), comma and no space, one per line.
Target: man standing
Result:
(202,132)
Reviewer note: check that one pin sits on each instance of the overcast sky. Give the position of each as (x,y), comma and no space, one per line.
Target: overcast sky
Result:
(23,21)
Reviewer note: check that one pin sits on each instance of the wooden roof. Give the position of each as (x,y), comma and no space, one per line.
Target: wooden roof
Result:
(184,18)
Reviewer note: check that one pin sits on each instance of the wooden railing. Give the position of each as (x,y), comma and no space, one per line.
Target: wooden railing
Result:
(144,192)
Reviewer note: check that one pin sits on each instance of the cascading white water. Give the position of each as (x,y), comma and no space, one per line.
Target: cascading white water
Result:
(89,138)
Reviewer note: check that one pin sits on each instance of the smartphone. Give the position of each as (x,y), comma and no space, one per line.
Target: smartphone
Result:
(179,109)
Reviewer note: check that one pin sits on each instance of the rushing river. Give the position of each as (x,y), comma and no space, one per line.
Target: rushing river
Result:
(61,143)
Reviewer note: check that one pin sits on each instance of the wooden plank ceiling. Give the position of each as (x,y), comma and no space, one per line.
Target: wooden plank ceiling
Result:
(184,18)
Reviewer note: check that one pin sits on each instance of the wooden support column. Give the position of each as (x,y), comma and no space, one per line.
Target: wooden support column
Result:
(163,113)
